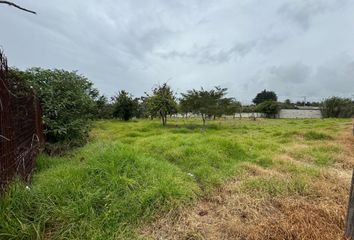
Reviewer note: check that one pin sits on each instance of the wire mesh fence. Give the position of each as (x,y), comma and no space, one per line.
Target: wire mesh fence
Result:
(21,132)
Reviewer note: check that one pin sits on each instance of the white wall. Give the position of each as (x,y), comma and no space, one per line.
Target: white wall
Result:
(300,113)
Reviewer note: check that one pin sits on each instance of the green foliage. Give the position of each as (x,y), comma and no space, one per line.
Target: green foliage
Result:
(311,104)
(124,106)
(162,102)
(269,108)
(103,109)
(67,100)
(337,107)
(248,109)
(287,104)
(139,108)
(185,106)
(265,96)
(208,103)
(227,106)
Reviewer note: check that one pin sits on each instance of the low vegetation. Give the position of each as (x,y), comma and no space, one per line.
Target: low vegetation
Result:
(70,102)
(137,173)
(337,107)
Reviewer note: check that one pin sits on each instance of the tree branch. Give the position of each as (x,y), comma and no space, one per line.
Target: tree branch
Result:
(17,6)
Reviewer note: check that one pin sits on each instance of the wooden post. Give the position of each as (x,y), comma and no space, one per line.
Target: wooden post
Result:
(349,231)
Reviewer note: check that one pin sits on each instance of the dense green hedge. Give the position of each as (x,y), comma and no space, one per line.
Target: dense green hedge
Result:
(68,102)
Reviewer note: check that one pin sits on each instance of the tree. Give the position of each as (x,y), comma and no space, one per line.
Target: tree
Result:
(269,108)
(103,109)
(232,107)
(337,107)
(218,102)
(206,103)
(67,100)
(162,102)
(124,106)
(248,109)
(184,107)
(140,108)
(265,96)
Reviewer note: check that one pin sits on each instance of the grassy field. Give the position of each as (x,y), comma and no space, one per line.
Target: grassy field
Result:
(141,180)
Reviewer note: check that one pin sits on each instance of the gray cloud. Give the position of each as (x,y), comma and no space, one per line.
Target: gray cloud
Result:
(297,73)
(212,55)
(301,12)
(243,45)
(333,77)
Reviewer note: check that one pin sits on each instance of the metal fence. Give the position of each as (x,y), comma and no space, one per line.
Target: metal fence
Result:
(21,131)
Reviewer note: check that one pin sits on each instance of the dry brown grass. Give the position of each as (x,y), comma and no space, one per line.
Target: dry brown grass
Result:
(346,157)
(232,213)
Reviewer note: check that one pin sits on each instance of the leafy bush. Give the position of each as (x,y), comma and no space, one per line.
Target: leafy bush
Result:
(124,106)
(67,100)
(337,107)
(269,108)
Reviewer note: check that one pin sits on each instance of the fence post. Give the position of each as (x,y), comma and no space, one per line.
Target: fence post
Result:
(7,144)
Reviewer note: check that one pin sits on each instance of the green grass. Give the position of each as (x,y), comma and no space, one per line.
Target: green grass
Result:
(130,172)
(313,135)
(273,186)
(319,154)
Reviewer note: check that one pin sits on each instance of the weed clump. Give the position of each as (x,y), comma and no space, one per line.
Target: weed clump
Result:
(313,135)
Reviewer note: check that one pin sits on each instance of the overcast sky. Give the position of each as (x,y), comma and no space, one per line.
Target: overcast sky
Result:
(294,47)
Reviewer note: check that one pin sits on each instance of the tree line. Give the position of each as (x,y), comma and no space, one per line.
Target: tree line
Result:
(69,102)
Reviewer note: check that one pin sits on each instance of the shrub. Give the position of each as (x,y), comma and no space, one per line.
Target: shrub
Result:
(67,101)
(124,106)
(337,107)
(269,108)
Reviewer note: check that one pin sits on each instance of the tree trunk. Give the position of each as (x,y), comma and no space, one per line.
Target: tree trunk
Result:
(163,119)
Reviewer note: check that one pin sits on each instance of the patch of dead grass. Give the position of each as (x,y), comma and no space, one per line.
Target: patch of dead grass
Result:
(345,158)
(231,214)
